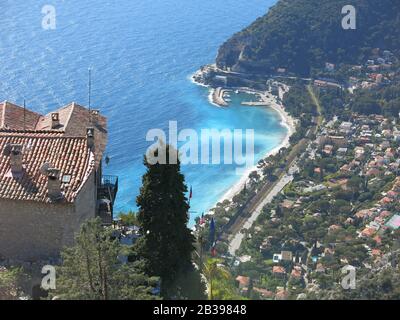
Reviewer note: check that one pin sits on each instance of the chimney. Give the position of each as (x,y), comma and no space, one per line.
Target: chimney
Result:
(16,156)
(94,116)
(53,184)
(55,120)
(90,137)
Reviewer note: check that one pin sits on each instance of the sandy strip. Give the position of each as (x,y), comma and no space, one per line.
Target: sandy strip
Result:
(270,101)
(287,121)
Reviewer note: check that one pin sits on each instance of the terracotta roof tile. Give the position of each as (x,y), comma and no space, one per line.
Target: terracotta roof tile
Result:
(74,120)
(68,154)
(278,269)
(244,281)
(13,117)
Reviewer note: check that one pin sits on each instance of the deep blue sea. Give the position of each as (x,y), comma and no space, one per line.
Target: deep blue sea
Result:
(142,54)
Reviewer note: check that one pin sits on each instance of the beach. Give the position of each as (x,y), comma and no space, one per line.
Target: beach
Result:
(268,101)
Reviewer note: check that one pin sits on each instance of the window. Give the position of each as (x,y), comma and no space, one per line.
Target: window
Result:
(66,178)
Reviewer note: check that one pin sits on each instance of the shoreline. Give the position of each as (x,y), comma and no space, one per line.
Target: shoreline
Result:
(268,101)
(286,121)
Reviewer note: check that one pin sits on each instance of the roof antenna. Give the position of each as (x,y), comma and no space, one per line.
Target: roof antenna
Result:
(90,86)
(89,95)
(24,115)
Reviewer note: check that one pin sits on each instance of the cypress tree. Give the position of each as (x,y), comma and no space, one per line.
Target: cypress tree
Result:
(167,243)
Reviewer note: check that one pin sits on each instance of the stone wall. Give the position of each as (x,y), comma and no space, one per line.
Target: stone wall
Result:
(32,231)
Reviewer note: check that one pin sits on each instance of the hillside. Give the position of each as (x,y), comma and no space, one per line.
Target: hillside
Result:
(300,35)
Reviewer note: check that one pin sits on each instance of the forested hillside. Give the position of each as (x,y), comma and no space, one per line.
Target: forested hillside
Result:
(299,35)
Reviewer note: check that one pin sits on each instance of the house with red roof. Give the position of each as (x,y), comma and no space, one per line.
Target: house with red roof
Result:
(279,271)
(243,281)
(368,232)
(51,179)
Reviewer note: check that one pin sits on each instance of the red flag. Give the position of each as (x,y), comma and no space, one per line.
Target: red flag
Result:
(213,251)
(202,220)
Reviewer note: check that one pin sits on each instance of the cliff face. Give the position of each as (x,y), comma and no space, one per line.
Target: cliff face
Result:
(301,34)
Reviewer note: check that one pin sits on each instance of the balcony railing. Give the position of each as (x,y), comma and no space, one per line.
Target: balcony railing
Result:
(108,188)
(106,193)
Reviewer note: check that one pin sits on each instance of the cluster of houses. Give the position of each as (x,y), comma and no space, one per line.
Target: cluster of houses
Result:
(370,145)
(366,146)
(377,71)
(382,216)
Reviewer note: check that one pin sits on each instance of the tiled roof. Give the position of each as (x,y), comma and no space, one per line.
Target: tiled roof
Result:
(278,269)
(68,154)
(73,118)
(244,281)
(17,118)
(32,133)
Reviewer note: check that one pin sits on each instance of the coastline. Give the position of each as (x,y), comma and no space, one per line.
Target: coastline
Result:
(268,101)
(286,121)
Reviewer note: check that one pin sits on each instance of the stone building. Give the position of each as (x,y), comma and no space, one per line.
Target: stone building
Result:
(50,179)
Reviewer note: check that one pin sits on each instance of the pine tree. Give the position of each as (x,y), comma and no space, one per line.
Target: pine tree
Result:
(167,243)
(91,269)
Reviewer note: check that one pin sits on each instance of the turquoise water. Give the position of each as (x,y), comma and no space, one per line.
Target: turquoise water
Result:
(142,54)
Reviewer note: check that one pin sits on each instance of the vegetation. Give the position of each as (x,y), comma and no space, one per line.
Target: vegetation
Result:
(301,35)
(10,283)
(385,101)
(92,270)
(220,282)
(167,243)
(128,219)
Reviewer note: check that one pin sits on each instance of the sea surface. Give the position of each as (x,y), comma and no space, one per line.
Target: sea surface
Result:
(142,54)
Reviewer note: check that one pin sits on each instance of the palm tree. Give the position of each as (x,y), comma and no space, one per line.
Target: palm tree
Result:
(213,271)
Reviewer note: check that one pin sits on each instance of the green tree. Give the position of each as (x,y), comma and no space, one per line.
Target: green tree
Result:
(91,269)
(10,279)
(167,243)
(128,219)
(213,273)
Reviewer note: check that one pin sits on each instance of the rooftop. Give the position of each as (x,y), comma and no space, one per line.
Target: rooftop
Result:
(73,120)
(59,140)
(70,155)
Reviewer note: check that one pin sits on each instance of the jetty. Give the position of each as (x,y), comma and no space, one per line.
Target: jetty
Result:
(254,103)
(218,97)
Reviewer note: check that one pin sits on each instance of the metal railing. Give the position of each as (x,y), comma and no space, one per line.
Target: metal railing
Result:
(108,188)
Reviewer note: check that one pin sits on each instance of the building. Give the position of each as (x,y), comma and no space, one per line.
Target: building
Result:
(279,271)
(346,128)
(50,179)
(330,67)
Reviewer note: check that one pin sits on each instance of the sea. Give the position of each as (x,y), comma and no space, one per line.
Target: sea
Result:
(142,54)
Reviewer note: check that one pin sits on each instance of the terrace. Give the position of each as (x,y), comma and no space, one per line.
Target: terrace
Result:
(106,194)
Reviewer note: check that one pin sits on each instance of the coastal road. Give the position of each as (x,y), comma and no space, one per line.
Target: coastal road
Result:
(283,181)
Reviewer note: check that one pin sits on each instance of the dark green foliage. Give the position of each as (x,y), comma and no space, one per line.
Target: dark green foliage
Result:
(167,243)
(91,269)
(128,219)
(381,285)
(384,101)
(11,282)
(298,102)
(304,34)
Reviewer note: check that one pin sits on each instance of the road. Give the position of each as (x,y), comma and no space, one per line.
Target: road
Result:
(283,181)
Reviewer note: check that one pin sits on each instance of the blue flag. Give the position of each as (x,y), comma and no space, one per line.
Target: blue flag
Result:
(212,231)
